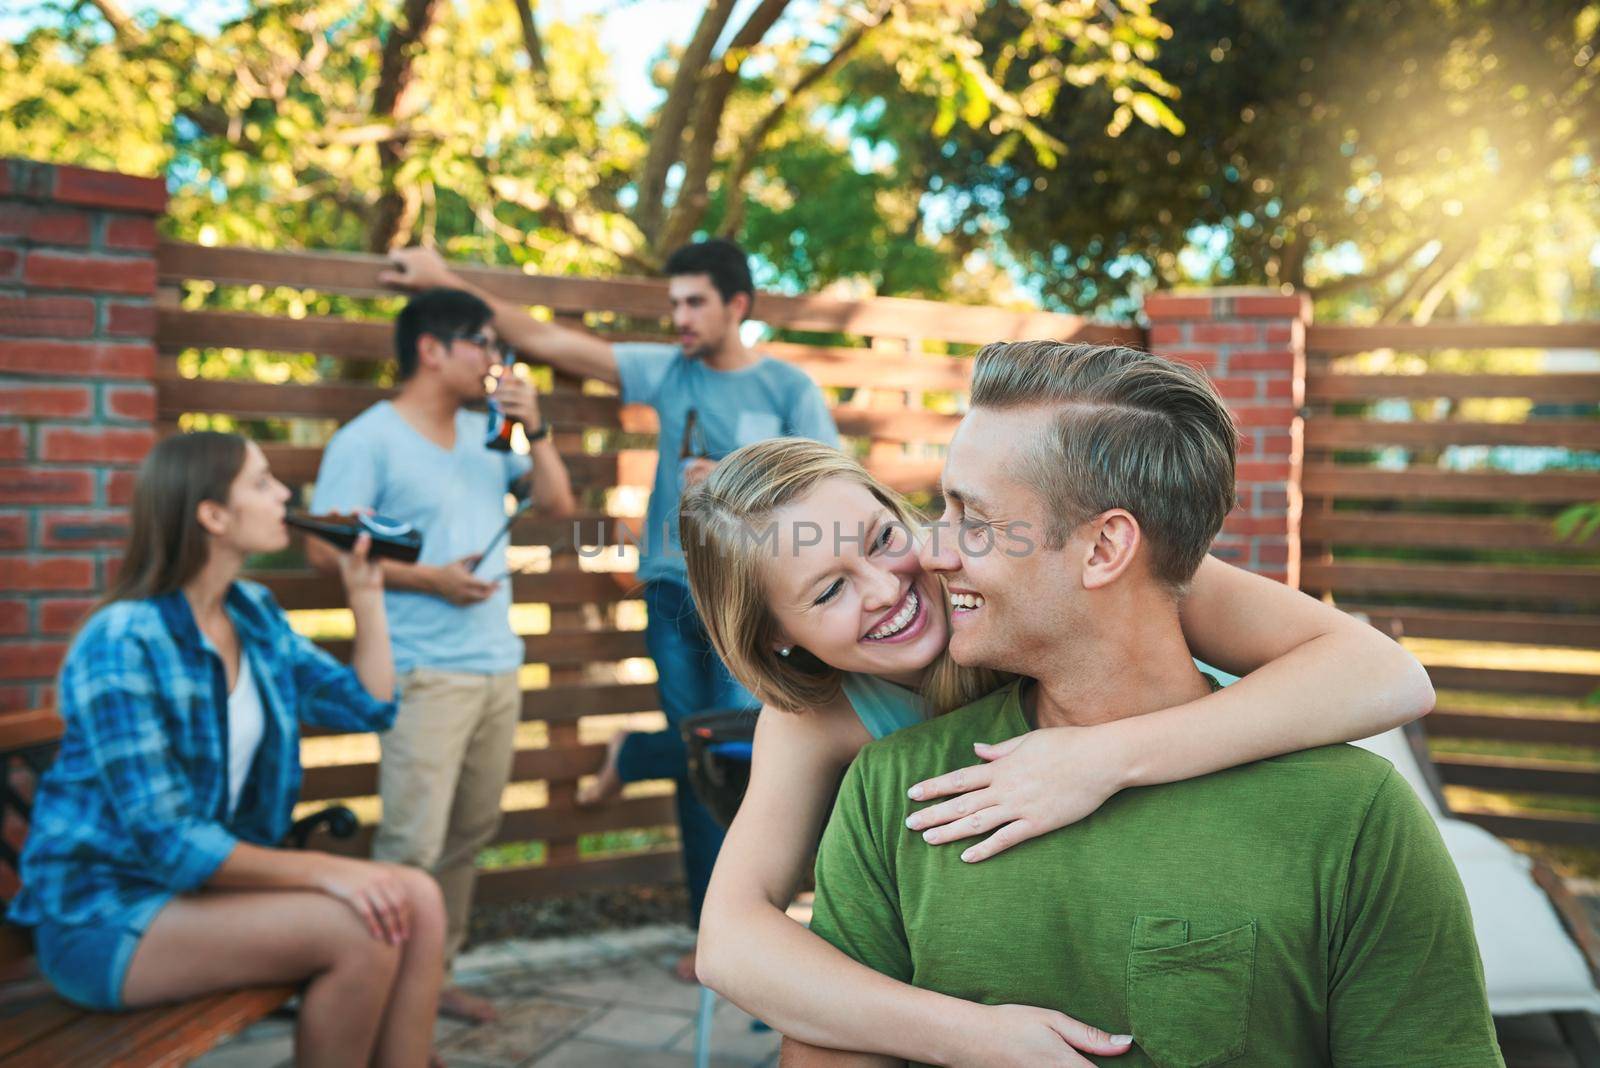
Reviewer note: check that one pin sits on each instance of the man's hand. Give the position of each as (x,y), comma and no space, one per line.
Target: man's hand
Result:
(456,583)
(697,471)
(518,399)
(418,268)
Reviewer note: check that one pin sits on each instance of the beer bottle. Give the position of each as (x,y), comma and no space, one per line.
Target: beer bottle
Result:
(391,538)
(497,435)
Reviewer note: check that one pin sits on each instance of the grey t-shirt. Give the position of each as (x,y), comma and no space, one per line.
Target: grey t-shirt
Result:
(769,399)
(457,499)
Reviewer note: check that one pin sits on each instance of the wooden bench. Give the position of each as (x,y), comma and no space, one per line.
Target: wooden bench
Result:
(37,1028)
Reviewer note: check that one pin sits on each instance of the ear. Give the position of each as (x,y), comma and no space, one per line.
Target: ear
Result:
(430,351)
(1113,540)
(739,306)
(212,517)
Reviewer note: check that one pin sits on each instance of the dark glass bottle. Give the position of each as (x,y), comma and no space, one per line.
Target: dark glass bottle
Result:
(391,539)
(497,435)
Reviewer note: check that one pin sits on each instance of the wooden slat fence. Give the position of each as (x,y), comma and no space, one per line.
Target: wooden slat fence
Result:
(894,370)
(1430,497)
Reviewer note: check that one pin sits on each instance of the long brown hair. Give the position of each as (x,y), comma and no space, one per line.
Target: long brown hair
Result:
(727,579)
(167,546)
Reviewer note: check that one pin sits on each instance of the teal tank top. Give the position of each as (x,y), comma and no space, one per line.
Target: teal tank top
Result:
(883,707)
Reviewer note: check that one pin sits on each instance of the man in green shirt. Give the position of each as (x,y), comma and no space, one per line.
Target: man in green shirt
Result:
(1300,910)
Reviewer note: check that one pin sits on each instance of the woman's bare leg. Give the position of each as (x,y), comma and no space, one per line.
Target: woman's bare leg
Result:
(406,1036)
(224,940)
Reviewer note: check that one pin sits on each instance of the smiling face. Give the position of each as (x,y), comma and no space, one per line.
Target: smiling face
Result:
(700,317)
(845,584)
(1013,598)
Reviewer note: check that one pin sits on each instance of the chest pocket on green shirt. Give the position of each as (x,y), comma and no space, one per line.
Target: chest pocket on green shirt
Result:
(1189,1001)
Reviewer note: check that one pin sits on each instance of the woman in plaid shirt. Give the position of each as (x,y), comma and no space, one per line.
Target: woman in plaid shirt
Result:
(151,873)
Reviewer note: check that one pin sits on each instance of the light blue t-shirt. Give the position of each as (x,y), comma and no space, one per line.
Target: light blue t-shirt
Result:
(769,399)
(881,706)
(457,500)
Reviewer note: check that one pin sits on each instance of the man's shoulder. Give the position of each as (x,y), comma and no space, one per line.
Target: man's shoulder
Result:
(912,753)
(783,372)
(376,421)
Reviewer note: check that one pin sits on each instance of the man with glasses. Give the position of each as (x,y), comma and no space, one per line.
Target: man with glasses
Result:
(423,458)
(712,393)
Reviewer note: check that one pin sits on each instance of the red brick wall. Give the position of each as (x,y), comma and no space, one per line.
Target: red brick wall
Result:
(77,398)
(1252,344)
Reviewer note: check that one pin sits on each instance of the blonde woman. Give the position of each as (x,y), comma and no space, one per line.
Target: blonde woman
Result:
(805,571)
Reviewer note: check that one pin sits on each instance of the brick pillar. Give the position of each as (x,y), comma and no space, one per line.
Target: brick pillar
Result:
(1252,342)
(77,398)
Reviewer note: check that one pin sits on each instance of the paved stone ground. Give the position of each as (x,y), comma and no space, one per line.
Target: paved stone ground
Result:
(606,999)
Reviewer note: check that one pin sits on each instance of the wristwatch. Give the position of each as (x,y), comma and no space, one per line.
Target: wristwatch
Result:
(538,435)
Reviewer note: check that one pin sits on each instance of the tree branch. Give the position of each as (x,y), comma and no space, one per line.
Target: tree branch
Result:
(1377,274)
(665,143)
(710,105)
(395,211)
(530,36)
(122,24)
(756,139)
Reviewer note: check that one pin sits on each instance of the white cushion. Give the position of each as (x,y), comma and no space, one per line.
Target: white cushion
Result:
(1529,961)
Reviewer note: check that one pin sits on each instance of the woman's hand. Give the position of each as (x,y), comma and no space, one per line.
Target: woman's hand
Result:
(1026,786)
(1022,1036)
(372,889)
(358,571)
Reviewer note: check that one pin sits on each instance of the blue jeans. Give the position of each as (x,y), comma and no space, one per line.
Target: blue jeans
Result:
(692,679)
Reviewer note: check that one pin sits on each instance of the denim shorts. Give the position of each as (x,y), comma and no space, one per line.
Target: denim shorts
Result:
(87,963)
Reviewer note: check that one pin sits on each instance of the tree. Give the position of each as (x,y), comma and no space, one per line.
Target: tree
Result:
(339,124)
(1385,155)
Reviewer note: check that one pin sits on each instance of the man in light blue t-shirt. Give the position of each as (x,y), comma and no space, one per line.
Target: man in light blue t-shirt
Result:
(712,395)
(423,458)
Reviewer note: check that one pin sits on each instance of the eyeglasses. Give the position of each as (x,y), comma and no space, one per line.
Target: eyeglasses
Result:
(482,340)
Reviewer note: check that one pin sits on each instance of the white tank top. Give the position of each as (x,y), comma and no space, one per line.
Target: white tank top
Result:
(246,723)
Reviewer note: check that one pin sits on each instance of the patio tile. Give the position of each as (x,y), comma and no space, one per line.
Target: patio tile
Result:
(524,1029)
(645,985)
(269,1052)
(732,1036)
(639,1028)
(581,1053)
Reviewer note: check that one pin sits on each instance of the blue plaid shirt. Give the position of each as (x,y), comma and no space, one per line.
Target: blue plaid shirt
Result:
(135,807)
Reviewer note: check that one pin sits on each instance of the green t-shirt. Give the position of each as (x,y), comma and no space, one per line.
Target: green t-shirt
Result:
(1296,911)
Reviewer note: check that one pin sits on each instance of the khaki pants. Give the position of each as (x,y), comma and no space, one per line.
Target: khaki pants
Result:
(445,765)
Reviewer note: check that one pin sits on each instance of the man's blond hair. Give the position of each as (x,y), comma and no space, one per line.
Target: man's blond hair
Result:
(1132,431)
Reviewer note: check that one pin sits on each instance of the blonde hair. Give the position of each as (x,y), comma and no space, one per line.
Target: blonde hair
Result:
(718,523)
(1134,431)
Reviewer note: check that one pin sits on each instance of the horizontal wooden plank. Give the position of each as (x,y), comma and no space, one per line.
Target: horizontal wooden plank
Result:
(566,764)
(657,868)
(1334,339)
(1566,585)
(564,704)
(565,409)
(1332,480)
(559,649)
(1559,388)
(363,340)
(309,590)
(297,464)
(1349,432)
(1519,775)
(1494,680)
(28,728)
(1531,728)
(1580,630)
(1439,532)
(563,824)
(646,298)
(1555,828)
